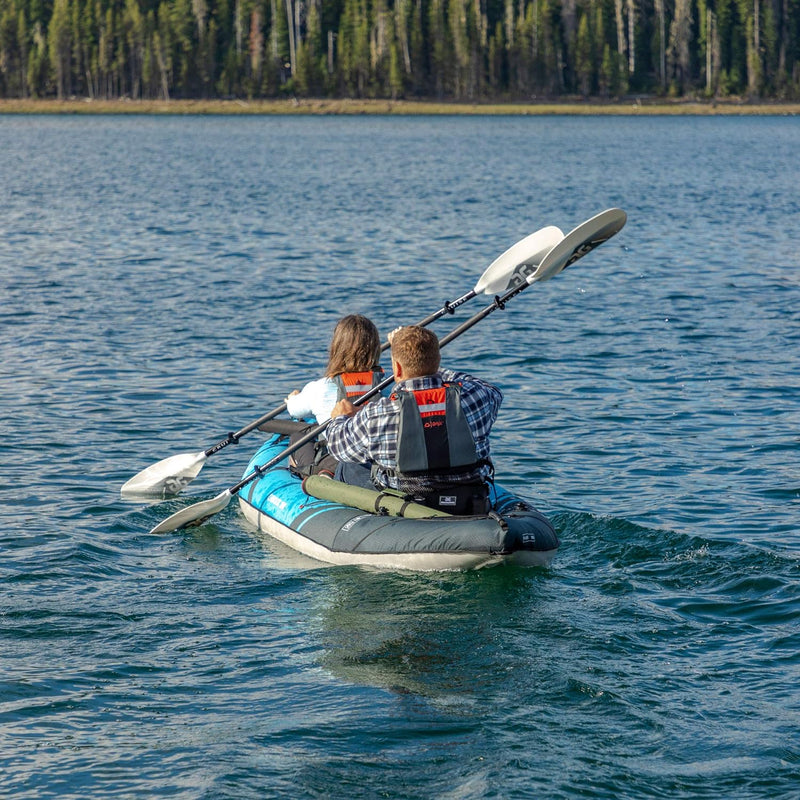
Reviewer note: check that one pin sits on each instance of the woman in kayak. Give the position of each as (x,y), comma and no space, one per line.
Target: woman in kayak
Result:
(353,369)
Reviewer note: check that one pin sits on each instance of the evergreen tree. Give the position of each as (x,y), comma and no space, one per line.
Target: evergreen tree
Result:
(731,32)
(361,49)
(23,47)
(680,40)
(59,40)
(497,50)
(441,49)
(769,49)
(583,56)
(182,38)
(457,17)
(395,70)
(134,33)
(163,49)
(417,49)
(13,32)
(38,67)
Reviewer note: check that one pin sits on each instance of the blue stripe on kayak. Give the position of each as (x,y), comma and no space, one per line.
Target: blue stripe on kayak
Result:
(299,526)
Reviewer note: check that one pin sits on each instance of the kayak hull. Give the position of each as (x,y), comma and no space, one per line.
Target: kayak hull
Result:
(334,533)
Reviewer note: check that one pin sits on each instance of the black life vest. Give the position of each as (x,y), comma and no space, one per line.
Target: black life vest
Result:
(352,385)
(433,436)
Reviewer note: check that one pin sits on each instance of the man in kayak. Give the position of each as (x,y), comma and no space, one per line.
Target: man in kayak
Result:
(429,439)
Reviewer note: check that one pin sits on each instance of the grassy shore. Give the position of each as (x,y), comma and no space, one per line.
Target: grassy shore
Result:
(636,107)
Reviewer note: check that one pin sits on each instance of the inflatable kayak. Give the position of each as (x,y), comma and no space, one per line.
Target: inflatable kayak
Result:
(388,532)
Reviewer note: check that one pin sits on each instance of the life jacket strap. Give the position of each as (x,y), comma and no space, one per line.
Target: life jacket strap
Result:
(461,499)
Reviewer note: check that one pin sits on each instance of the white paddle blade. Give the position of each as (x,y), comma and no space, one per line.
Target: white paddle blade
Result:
(194,515)
(578,242)
(511,268)
(166,477)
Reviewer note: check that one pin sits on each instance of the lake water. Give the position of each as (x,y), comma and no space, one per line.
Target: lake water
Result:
(166,280)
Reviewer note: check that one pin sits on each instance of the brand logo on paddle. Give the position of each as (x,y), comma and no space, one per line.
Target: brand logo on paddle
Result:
(175,484)
(521,273)
(585,248)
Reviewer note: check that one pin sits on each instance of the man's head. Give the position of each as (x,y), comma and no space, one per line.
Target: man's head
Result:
(416,351)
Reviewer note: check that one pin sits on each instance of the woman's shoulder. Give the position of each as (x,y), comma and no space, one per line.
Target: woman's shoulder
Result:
(319,385)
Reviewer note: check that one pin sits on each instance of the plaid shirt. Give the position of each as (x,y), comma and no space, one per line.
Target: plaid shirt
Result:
(370,436)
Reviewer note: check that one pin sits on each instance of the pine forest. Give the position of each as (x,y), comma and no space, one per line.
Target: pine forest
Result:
(467,50)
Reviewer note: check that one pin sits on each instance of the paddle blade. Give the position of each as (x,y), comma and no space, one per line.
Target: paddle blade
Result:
(166,477)
(578,242)
(194,515)
(514,266)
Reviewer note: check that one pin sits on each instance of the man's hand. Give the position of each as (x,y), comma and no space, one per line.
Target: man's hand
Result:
(343,408)
(392,333)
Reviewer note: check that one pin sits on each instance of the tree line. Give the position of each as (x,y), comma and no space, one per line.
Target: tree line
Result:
(446,49)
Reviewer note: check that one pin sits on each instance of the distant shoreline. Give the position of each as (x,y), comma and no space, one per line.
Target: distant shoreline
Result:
(633,107)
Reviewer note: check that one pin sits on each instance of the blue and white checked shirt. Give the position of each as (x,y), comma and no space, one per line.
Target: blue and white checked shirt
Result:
(370,436)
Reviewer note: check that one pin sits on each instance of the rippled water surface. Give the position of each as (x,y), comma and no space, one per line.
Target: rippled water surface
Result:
(166,280)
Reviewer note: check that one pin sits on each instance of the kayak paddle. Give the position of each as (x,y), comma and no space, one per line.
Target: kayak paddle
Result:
(582,240)
(170,475)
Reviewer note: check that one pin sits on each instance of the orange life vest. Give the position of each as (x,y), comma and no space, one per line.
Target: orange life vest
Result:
(353,385)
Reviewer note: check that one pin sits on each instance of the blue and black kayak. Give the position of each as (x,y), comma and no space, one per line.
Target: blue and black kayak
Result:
(340,524)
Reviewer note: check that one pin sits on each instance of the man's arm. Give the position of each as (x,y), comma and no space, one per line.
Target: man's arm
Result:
(347,434)
(489,395)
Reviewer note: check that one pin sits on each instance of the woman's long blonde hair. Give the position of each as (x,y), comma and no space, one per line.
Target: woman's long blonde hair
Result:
(355,346)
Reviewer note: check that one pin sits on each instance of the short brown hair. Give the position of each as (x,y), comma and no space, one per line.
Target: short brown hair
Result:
(355,346)
(417,350)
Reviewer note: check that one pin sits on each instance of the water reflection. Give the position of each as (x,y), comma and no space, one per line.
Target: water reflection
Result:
(444,636)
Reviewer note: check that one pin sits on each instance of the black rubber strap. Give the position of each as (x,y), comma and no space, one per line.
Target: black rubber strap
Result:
(378,510)
(403,508)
